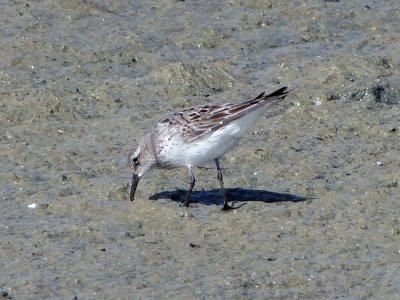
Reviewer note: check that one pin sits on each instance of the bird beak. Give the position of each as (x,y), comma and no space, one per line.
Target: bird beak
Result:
(135,181)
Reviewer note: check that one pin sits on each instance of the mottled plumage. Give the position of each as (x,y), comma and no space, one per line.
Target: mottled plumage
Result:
(197,135)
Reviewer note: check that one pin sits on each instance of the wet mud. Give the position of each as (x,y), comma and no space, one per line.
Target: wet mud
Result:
(319,174)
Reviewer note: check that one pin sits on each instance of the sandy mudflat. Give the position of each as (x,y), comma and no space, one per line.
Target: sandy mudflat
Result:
(81,80)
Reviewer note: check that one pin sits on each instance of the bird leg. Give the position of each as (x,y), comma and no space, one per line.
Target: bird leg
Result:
(221,182)
(192,181)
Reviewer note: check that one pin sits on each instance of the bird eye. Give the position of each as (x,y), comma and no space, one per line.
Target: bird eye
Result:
(135,160)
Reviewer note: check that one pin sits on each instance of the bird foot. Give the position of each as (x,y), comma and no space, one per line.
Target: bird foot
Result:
(227,207)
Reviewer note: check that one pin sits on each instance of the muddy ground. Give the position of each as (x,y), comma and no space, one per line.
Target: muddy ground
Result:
(81,81)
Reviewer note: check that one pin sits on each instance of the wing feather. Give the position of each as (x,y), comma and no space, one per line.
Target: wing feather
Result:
(198,121)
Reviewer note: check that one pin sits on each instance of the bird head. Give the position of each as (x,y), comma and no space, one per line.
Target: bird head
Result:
(141,160)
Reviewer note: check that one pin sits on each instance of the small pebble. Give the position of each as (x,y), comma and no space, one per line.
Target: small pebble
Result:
(33,205)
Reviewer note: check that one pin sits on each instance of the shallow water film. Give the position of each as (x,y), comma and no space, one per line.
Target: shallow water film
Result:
(81,81)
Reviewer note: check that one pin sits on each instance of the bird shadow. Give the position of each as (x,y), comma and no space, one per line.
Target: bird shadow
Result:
(212,197)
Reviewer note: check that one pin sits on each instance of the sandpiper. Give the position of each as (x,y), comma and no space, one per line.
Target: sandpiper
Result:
(197,135)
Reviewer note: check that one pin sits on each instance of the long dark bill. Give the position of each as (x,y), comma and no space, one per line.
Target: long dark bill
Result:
(135,181)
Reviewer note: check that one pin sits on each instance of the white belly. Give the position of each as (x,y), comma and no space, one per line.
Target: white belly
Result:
(177,153)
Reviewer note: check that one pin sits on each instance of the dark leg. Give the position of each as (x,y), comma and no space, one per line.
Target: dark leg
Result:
(192,181)
(221,182)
